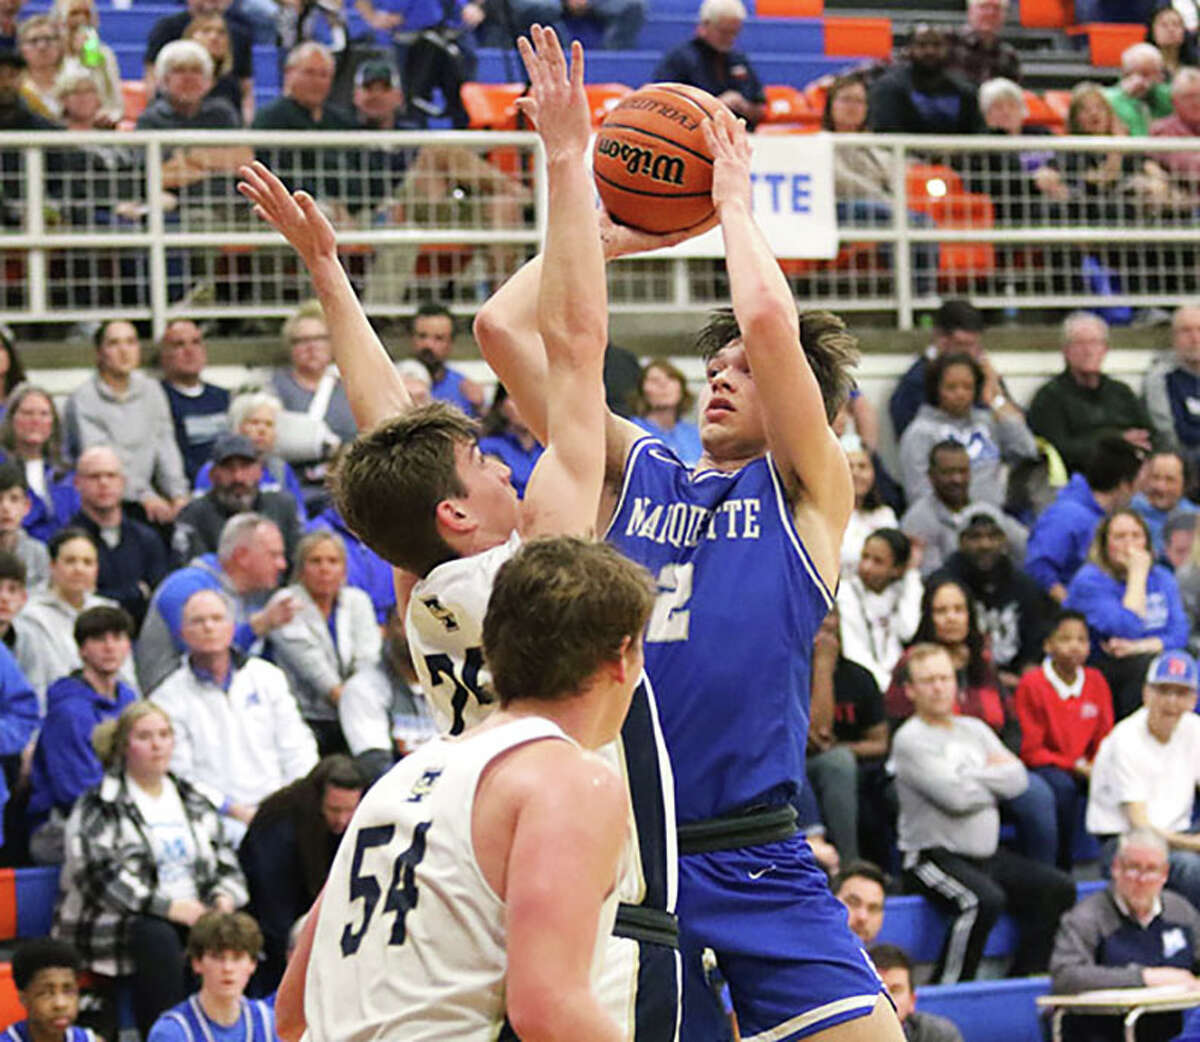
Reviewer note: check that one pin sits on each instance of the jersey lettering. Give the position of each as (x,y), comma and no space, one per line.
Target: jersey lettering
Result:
(687,524)
(670,617)
(466,687)
(443,614)
(402,891)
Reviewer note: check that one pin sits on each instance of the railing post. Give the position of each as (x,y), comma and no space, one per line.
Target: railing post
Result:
(158,248)
(902,249)
(35,226)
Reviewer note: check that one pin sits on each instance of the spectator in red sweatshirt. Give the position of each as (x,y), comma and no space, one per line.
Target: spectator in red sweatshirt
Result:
(1065,710)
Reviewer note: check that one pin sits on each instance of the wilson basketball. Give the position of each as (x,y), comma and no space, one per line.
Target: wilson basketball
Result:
(652,166)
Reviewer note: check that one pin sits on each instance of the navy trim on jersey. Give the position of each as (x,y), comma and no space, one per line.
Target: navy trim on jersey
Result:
(789,525)
(657,1007)
(640,751)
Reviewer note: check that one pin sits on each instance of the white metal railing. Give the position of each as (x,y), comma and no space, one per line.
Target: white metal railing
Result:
(112,234)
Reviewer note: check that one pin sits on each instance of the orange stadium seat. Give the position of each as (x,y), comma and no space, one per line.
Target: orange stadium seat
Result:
(929,181)
(789,8)
(492,106)
(11,1009)
(815,93)
(1108,40)
(1060,102)
(1047,14)
(1041,114)
(858,37)
(787,105)
(133,94)
(603,98)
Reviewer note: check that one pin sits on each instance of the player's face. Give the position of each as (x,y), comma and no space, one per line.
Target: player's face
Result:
(490,497)
(863,899)
(1069,644)
(52,1000)
(224,974)
(731,423)
(899,986)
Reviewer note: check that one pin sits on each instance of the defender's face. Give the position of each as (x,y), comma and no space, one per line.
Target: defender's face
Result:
(489,491)
(731,421)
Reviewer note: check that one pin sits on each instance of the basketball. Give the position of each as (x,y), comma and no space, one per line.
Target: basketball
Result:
(652,166)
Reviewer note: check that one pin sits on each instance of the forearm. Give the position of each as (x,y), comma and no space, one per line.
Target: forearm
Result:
(573,1014)
(1134,599)
(762,299)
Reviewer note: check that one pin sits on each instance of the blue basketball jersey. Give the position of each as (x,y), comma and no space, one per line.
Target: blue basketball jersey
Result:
(729,642)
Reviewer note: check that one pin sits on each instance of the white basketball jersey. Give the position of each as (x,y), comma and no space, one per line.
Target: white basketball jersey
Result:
(410,940)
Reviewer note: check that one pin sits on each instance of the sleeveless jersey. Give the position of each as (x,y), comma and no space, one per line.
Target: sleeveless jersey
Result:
(729,642)
(19,1032)
(410,940)
(257,1020)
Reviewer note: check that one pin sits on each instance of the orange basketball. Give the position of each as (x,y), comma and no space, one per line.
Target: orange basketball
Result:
(651,164)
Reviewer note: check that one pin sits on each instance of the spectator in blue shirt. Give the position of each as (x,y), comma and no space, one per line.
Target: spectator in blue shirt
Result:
(506,436)
(662,403)
(708,61)
(432,341)
(1162,496)
(31,433)
(18,720)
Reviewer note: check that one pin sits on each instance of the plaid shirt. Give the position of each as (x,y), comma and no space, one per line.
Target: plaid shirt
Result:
(111,877)
(976,60)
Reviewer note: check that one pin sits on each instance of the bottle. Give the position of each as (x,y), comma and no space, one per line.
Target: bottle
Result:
(90,55)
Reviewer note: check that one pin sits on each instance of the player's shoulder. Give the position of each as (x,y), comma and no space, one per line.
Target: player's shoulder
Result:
(579,777)
(454,595)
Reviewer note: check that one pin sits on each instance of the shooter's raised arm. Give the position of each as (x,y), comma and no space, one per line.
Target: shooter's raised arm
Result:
(375,391)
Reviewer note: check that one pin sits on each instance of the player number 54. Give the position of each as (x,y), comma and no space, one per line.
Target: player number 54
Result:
(402,891)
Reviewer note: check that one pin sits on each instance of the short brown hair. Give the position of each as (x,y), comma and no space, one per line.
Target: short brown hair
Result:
(559,609)
(389,482)
(216,932)
(830,348)
(921,652)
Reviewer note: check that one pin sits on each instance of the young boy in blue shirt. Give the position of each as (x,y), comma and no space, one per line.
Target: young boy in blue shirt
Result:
(46,973)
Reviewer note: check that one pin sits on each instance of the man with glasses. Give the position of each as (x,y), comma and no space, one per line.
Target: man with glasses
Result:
(1133,934)
(1147,769)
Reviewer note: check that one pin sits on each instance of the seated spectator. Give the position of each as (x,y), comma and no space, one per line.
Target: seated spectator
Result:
(365,569)
(64,763)
(870,511)
(895,970)
(1184,121)
(31,434)
(236,476)
(289,848)
(620,21)
(223,949)
(1065,711)
(1172,388)
(12,370)
(994,434)
(506,437)
(48,618)
(1133,934)
(663,408)
(431,344)
(708,61)
(1147,769)
(199,409)
(1167,31)
(43,46)
(1179,537)
(1059,542)
(880,605)
(383,713)
(172,27)
(1142,94)
(1011,608)
(977,53)
(845,759)
(935,519)
(127,411)
(920,96)
(1163,480)
(14,508)
(245,569)
(147,855)
(15,114)
(237,728)
(1132,606)
(132,559)
(20,714)
(951,773)
(46,973)
(862,887)
(1083,404)
(212,33)
(84,47)
(253,414)
(13,597)
(333,636)
(10,10)
(314,401)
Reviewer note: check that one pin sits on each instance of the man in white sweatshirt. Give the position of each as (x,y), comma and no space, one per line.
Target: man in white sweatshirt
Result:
(951,772)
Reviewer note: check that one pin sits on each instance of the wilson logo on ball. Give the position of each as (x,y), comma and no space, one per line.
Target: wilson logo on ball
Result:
(635,160)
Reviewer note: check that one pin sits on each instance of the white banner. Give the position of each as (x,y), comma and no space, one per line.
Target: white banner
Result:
(793,200)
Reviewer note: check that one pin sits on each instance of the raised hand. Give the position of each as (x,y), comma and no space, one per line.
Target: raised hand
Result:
(295,215)
(619,240)
(556,104)
(730,147)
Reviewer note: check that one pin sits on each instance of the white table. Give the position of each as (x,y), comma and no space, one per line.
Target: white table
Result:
(1130,1003)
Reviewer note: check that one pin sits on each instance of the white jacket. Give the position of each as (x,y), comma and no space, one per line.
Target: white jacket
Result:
(246,743)
(876,626)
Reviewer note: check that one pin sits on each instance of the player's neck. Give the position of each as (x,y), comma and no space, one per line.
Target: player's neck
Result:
(725,464)
(46,1032)
(579,716)
(221,1009)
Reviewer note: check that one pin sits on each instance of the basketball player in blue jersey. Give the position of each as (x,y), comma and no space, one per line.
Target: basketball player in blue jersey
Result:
(745,549)
(46,973)
(416,488)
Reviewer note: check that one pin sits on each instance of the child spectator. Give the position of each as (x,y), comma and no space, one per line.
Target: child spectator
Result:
(1065,710)
(14,505)
(223,948)
(881,605)
(46,973)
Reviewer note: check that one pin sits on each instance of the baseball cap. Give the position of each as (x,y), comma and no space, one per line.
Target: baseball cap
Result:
(233,446)
(376,71)
(1174,667)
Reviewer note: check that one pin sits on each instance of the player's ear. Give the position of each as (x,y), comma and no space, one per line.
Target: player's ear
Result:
(453,517)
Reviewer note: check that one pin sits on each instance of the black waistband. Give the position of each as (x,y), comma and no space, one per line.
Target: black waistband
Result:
(733,831)
(649,925)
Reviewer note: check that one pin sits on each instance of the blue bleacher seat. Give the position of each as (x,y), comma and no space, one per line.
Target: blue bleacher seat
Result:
(37,890)
(991,1010)
(794,36)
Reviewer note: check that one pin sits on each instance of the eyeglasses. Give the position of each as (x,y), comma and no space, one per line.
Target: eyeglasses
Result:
(1143,871)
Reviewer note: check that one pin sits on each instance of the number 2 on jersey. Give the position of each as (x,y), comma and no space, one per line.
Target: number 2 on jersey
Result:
(670,617)
(402,891)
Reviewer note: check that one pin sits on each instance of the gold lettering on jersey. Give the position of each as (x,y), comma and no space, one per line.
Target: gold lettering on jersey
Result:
(443,614)
(685,524)
(423,786)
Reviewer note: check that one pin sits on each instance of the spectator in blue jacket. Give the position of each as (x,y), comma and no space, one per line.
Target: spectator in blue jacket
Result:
(1163,496)
(1131,604)
(1059,542)
(31,434)
(64,763)
(365,569)
(18,720)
